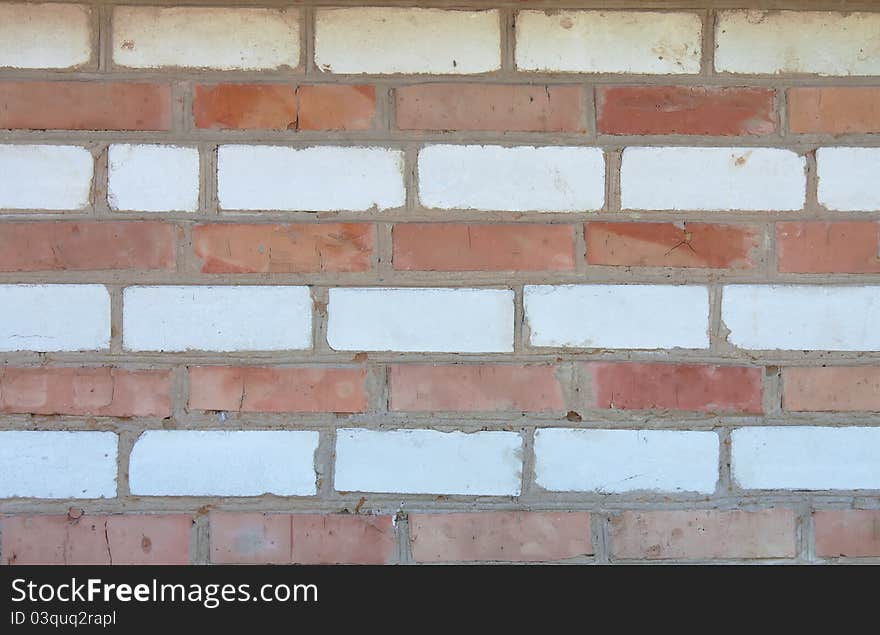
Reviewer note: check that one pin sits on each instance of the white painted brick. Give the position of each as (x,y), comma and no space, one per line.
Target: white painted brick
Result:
(323,178)
(806,457)
(849,178)
(639,42)
(802,317)
(45,35)
(429,462)
(45,177)
(54,317)
(223,463)
(526,178)
(617,461)
(153,178)
(213,318)
(382,40)
(617,316)
(57,464)
(820,43)
(712,179)
(430,320)
(206,37)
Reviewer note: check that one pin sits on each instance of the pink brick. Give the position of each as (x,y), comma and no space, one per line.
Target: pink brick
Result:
(851,533)
(342,539)
(243,538)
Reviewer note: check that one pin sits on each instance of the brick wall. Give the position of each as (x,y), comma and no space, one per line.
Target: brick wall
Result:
(519,282)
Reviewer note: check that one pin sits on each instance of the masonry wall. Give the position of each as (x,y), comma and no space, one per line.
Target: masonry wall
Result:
(488,281)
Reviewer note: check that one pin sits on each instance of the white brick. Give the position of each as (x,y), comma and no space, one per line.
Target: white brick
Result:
(808,458)
(430,320)
(639,42)
(384,40)
(429,462)
(849,178)
(223,463)
(152,178)
(312,179)
(712,179)
(57,464)
(45,35)
(207,37)
(617,316)
(770,317)
(821,43)
(617,461)
(233,318)
(549,179)
(54,317)
(45,177)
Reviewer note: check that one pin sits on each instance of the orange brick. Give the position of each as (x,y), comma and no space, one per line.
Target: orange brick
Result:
(836,247)
(703,535)
(489,107)
(831,389)
(701,388)
(700,245)
(102,392)
(849,533)
(297,248)
(500,536)
(452,247)
(85,106)
(336,107)
(457,387)
(693,110)
(116,539)
(252,389)
(82,246)
(834,110)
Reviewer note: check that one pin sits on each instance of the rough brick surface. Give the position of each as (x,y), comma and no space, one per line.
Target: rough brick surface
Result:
(849,533)
(834,110)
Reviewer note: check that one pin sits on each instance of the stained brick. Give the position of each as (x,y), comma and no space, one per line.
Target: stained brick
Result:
(835,247)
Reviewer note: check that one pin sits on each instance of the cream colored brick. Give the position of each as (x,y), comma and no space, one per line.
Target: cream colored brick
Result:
(45,35)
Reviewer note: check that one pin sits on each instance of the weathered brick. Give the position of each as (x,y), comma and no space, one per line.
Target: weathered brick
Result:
(834,109)
(46,35)
(500,536)
(460,387)
(702,245)
(253,389)
(103,392)
(490,107)
(703,535)
(835,247)
(289,248)
(83,246)
(831,389)
(250,538)
(691,110)
(453,247)
(648,386)
(849,533)
(336,107)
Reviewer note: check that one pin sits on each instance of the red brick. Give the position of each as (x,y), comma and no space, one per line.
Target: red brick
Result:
(703,535)
(296,248)
(703,245)
(284,107)
(85,106)
(701,388)
(848,533)
(834,110)
(831,389)
(82,246)
(252,389)
(452,247)
(496,108)
(836,247)
(500,536)
(116,539)
(694,110)
(342,539)
(250,538)
(456,387)
(103,392)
